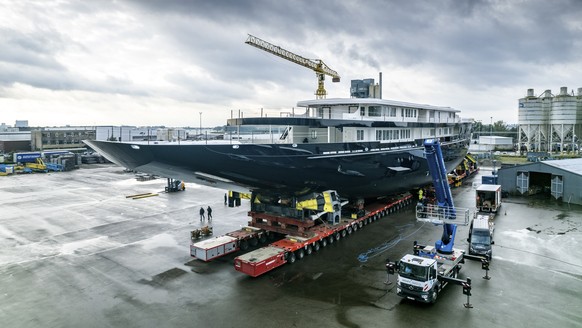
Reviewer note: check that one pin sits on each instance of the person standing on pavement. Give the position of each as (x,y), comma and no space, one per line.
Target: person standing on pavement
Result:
(225,199)
(201,214)
(209,210)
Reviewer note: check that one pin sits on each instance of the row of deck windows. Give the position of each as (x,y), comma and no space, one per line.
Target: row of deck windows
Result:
(378,111)
(392,134)
(397,134)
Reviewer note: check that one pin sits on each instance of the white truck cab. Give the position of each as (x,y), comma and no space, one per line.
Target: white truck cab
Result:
(417,278)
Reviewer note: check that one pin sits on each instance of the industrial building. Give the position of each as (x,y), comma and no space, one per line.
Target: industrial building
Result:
(14,140)
(551,123)
(562,179)
(491,143)
(58,138)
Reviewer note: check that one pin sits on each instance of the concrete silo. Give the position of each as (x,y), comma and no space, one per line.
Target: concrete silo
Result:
(550,123)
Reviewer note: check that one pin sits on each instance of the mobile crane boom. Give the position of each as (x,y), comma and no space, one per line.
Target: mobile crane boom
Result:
(438,172)
(422,275)
(317,65)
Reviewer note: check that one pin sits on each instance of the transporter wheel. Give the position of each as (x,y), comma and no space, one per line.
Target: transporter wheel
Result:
(355,227)
(291,258)
(336,236)
(349,229)
(309,250)
(330,239)
(253,241)
(344,233)
(244,245)
(300,254)
(316,246)
(263,238)
(360,225)
(324,242)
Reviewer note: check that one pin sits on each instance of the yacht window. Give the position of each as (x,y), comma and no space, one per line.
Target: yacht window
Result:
(385,111)
(320,112)
(313,134)
(326,110)
(352,109)
(359,135)
(393,111)
(379,134)
(362,111)
(374,111)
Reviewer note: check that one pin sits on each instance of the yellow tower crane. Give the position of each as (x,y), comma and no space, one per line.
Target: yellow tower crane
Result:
(321,70)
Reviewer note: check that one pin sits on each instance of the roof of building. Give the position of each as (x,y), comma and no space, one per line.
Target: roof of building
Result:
(571,165)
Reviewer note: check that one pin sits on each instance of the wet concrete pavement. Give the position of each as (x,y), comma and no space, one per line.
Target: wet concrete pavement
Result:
(75,252)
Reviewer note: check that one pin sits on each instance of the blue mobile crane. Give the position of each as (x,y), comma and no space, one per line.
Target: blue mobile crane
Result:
(423,274)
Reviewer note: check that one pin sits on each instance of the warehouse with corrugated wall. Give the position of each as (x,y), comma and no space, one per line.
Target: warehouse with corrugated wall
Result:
(560,179)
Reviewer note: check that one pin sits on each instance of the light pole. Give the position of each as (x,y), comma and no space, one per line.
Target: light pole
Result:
(200,124)
(491,131)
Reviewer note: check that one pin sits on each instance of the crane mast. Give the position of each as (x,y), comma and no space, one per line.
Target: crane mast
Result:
(317,65)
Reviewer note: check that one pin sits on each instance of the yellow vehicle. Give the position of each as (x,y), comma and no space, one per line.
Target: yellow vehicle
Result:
(38,166)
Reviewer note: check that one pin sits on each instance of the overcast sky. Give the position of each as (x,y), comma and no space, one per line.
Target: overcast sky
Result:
(105,62)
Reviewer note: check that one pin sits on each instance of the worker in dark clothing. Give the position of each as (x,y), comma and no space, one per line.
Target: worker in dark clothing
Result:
(209,210)
(225,199)
(202,214)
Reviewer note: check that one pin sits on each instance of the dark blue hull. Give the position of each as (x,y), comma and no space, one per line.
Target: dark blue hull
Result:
(363,170)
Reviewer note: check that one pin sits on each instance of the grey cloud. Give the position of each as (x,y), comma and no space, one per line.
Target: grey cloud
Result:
(477,43)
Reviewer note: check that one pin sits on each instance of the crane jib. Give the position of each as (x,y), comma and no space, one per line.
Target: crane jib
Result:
(316,64)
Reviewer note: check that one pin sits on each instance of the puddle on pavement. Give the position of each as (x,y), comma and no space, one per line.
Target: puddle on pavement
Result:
(164,277)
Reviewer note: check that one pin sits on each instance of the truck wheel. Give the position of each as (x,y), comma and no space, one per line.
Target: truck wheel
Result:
(323,242)
(244,245)
(263,238)
(355,227)
(316,246)
(435,294)
(253,241)
(349,229)
(330,239)
(337,236)
(291,258)
(300,254)
(309,250)
(344,233)
(360,225)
